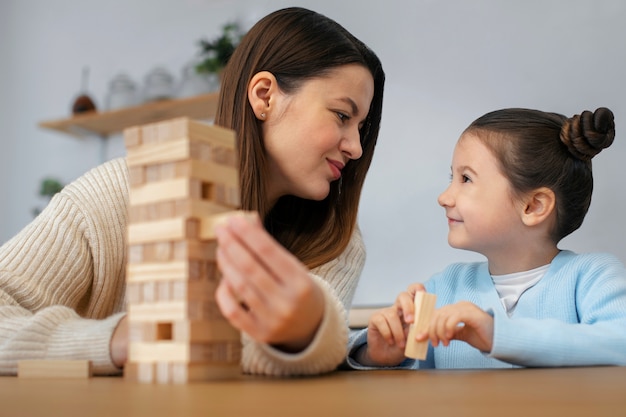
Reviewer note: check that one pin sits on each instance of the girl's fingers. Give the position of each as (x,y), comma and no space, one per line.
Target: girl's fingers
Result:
(379,323)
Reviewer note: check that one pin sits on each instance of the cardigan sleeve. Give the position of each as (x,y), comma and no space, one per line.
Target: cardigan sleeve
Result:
(62,276)
(592,331)
(338,280)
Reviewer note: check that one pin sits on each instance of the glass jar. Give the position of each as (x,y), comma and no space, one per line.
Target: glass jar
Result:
(194,83)
(158,85)
(122,92)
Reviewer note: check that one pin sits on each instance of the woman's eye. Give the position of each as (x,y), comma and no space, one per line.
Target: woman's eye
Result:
(465,178)
(343,117)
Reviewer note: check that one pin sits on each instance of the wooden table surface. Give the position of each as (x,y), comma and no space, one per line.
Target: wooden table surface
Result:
(560,392)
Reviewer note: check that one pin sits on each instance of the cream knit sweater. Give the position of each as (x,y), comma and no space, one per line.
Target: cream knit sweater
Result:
(62,285)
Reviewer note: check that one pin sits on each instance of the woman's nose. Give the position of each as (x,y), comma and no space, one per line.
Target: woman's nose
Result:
(351,144)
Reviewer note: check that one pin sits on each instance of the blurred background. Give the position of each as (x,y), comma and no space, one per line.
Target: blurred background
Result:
(447,62)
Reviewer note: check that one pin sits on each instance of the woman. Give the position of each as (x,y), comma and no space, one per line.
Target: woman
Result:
(304,97)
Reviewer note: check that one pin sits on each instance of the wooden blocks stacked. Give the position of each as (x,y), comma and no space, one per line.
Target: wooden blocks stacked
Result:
(183,177)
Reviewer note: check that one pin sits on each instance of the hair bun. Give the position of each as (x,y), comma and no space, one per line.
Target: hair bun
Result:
(585,135)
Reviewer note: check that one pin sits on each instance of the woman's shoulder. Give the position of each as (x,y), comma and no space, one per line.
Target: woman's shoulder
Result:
(102,188)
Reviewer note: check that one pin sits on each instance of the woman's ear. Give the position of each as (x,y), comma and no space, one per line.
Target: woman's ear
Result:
(538,206)
(261,89)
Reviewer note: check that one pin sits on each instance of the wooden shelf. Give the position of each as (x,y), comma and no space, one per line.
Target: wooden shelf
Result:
(110,122)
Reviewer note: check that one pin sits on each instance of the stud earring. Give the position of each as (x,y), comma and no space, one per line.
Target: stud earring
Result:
(262,115)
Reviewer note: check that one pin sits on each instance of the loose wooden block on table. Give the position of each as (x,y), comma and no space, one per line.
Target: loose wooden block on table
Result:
(54,369)
(424,307)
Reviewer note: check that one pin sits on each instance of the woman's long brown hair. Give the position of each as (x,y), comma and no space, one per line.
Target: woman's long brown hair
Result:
(296,45)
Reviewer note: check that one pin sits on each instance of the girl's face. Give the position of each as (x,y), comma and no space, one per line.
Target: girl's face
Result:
(483,216)
(311,135)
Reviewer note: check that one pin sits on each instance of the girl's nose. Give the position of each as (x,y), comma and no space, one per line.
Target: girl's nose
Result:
(445,198)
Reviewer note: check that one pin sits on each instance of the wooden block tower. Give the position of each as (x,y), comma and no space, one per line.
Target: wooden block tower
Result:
(183,178)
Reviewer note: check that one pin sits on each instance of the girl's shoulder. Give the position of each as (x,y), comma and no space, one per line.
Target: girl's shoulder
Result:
(591,261)
(461,273)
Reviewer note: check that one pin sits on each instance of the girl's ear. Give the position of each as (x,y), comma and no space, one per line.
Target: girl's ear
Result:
(538,206)
(261,91)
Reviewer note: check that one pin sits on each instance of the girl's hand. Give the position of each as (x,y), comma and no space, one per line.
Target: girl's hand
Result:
(388,330)
(265,291)
(461,321)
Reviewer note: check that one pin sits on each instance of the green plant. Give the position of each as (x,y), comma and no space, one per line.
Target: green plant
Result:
(48,188)
(215,54)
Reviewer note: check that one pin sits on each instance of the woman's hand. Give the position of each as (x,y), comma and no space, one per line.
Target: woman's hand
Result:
(119,343)
(461,321)
(388,330)
(265,291)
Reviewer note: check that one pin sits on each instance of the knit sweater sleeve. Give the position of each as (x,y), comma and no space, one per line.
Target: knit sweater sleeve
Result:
(338,280)
(62,276)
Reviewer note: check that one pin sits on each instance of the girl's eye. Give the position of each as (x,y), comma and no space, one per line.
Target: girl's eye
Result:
(464,178)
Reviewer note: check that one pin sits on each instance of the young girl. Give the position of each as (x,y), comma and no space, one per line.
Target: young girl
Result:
(521,181)
(304,97)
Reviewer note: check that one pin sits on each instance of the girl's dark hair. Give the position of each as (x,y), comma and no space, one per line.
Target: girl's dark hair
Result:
(297,45)
(538,149)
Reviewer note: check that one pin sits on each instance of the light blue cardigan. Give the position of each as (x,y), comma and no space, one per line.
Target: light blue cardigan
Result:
(574,316)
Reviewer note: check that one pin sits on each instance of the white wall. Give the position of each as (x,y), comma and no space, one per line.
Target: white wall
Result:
(447,62)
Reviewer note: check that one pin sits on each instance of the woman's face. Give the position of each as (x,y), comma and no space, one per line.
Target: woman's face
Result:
(312,134)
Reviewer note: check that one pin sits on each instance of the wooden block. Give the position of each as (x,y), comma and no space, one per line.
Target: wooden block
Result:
(176,189)
(217,135)
(157,271)
(191,271)
(149,134)
(132,136)
(143,372)
(143,331)
(198,331)
(176,310)
(185,331)
(213,352)
(179,372)
(164,291)
(160,230)
(210,171)
(162,210)
(149,292)
(158,152)
(424,307)
(162,311)
(134,293)
(136,176)
(172,129)
(208,223)
(54,369)
(180,149)
(202,250)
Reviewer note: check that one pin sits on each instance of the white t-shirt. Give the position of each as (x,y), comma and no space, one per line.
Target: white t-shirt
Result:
(510,287)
